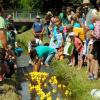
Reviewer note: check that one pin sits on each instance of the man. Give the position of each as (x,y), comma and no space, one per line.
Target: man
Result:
(3,45)
(42,53)
(38,28)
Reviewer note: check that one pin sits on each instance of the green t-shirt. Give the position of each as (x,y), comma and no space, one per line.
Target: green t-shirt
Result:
(1,46)
(2,22)
(63,19)
(43,51)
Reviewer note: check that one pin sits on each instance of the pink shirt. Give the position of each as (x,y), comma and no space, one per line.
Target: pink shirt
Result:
(78,43)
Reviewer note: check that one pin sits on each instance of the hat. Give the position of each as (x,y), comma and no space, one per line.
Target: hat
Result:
(49,13)
(38,17)
(71,34)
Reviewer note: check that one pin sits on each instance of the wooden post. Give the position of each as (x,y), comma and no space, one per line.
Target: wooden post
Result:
(30,16)
(16,14)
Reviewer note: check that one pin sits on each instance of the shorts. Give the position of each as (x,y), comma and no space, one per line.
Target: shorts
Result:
(96,50)
(80,56)
(2,54)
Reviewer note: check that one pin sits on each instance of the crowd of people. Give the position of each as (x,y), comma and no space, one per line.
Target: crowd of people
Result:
(74,35)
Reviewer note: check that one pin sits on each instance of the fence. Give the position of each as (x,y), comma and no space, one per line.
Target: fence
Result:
(23,15)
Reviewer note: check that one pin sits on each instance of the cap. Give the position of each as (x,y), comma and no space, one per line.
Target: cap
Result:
(71,34)
(38,16)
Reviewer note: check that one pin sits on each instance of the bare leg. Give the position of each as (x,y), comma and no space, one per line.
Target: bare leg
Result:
(96,66)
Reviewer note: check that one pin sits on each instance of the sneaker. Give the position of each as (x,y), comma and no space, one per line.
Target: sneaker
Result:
(95,77)
(90,77)
(70,64)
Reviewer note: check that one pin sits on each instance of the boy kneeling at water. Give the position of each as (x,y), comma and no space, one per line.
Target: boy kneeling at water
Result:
(42,54)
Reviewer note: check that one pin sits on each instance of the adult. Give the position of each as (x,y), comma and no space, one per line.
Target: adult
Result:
(38,28)
(3,38)
(48,17)
(63,16)
(42,53)
(96,44)
(3,45)
(9,20)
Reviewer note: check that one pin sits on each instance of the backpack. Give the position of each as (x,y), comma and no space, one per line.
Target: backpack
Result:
(97,30)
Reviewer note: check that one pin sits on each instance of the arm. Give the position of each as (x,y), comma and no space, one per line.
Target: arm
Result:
(3,39)
(33,31)
(37,64)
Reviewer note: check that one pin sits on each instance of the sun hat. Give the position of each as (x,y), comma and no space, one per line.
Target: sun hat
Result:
(38,17)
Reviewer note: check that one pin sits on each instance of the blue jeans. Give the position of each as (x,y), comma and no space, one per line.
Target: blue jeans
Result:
(49,58)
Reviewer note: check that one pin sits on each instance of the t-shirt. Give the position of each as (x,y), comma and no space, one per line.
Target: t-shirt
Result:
(38,26)
(11,37)
(2,22)
(37,43)
(55,32)
(77,43)
(79,32)
(59,40)
(77,25)
(64,20)
(43,51)
(1,46)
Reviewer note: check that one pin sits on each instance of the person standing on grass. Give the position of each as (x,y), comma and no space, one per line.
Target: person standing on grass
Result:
(96,43)
(38,28)
(3,45)
(42,54)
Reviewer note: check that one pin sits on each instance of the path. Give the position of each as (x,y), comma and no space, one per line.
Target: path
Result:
(23,68)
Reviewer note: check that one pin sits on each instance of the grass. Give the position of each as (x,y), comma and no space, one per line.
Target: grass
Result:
(8,90)
(75,80)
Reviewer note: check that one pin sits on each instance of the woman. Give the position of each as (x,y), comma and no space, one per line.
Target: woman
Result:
(96,43)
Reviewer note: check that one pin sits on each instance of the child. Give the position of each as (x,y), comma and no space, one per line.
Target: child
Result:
(40,53)
(32,44)
(59,54)
(3,64)
(11,61)
(79,48)
(57,38)
(11,37)
(18,49)
(69,46)
(90,60)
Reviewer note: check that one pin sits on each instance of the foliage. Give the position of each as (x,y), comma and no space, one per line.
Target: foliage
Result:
(36,4)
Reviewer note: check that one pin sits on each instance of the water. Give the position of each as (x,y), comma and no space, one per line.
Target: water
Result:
(24,67)
(25,91)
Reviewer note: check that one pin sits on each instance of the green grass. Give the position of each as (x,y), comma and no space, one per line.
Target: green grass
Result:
(77,81)
(8,90)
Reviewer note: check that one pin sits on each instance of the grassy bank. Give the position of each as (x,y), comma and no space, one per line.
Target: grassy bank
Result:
(75,80)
